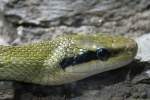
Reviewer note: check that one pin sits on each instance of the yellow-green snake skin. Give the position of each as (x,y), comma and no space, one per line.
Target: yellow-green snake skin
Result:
(65,59)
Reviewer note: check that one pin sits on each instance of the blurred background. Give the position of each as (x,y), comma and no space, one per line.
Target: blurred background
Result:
(26,21)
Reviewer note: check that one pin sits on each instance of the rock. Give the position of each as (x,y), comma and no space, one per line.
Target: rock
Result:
(143,48)
(111,16)
(7,91)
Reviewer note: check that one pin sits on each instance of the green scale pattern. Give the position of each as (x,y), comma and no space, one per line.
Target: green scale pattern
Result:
(39,62)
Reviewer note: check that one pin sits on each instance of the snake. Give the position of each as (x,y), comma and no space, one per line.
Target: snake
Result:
(65,59)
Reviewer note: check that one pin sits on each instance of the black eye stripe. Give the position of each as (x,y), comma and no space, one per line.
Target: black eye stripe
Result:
(99,54)
(85,57)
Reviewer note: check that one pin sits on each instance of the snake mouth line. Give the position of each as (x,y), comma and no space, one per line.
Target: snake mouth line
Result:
(95,68)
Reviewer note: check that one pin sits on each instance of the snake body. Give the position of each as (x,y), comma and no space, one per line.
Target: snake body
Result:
(65,59)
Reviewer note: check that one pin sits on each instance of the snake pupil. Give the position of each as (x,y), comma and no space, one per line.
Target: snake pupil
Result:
(102,54)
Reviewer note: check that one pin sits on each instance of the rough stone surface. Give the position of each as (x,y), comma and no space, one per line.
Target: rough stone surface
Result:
(24,21)
(109,16)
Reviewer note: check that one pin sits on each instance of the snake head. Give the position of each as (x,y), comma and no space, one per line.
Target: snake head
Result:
(88,55)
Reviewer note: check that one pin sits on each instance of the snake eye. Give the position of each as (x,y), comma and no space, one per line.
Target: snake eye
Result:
(102,53)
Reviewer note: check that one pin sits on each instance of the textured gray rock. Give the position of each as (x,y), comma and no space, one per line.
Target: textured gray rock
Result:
(112,16)
(24,21)
(6,91)
(7,31)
